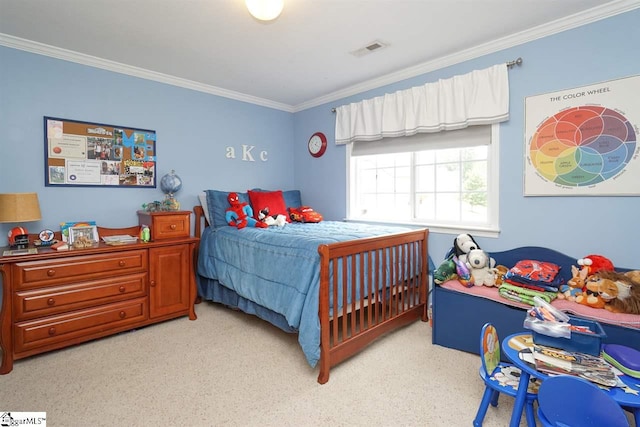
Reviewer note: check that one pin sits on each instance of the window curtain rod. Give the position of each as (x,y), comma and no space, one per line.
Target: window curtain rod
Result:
(510,65)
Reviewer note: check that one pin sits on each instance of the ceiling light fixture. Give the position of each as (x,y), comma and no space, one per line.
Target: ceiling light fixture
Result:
(265,10)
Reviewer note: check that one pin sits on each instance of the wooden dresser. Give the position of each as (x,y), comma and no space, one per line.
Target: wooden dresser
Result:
(54,299)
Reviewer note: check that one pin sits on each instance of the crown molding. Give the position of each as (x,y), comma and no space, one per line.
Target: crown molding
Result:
(117,67)
(553,27)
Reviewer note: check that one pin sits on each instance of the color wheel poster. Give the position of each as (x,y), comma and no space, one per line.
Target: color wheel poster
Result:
(584,141)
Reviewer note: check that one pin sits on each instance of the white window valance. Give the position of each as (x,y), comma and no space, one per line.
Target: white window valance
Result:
(480,97)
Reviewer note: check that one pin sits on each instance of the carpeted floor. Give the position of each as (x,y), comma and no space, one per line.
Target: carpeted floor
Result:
(231,369)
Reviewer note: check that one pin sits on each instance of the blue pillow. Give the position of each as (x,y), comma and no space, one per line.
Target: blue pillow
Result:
(292,198)
(218,204)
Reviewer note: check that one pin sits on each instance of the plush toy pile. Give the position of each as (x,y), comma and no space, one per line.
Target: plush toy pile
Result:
(594,281)
(467,263)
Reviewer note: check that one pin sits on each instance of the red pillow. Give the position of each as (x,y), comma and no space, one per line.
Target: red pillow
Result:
(271,199)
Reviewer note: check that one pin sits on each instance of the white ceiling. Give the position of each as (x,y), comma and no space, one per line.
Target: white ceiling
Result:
(300,60)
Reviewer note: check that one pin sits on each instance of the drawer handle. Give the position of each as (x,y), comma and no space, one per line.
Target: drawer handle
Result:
(123,314)
(122,289)
(51,272)
(173,226)
(52,331)
(153,283)
(51,301)
(122,263)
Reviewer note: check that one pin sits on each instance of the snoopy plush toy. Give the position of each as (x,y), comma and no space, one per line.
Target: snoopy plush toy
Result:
(277,220)
(465,243)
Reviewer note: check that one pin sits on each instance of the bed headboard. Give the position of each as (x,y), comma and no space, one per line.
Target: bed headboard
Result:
(201,220)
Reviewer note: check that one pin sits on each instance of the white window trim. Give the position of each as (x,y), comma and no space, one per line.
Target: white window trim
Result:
(493,193)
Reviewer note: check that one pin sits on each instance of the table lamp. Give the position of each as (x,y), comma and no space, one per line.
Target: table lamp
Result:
(18,208)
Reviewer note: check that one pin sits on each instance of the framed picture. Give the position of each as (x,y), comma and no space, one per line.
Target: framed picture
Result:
(83,236)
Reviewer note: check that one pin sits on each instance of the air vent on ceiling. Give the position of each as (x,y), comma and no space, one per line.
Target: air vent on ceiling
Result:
(371,47)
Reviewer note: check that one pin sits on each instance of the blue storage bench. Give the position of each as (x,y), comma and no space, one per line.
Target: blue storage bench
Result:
(458,314)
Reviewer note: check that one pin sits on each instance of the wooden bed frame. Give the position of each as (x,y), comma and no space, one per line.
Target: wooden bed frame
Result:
(346,331)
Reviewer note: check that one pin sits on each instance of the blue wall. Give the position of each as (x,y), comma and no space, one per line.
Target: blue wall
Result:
(194,129)
(578,226)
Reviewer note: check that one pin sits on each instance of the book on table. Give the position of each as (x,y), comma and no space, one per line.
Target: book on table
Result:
(554,361)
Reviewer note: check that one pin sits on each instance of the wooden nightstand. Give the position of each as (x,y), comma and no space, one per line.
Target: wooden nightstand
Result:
(54,299)
(166,224)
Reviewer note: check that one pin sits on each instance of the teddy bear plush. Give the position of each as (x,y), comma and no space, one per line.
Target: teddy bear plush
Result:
(481,273)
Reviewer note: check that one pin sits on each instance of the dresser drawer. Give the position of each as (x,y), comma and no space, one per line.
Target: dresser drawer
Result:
(78,326)
(57,299)
(63,270)
(166,225)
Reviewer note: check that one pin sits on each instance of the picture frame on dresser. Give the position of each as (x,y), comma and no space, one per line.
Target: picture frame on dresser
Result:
(85,232)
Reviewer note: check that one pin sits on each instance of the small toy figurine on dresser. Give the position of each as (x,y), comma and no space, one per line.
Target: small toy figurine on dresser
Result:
(240,214)
(145,234)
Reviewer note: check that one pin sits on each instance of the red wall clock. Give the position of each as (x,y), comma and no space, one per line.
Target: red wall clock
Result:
(317,144)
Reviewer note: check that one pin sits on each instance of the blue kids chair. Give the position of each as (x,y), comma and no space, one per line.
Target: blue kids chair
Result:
(565,400)
(500,377)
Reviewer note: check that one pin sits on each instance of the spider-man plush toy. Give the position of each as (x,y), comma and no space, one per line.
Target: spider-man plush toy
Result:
(240,214)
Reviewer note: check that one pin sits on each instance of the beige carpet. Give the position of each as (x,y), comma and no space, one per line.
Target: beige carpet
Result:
(231,369)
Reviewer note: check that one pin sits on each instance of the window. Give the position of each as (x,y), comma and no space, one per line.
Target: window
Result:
(446,180)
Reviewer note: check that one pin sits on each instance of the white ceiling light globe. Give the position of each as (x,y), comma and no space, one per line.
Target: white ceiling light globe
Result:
(265,10)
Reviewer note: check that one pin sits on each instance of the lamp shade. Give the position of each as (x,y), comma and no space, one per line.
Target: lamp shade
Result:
(265,10)
(19,207)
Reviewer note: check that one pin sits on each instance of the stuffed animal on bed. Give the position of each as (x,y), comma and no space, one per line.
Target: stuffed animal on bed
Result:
(240,214)
(277,220)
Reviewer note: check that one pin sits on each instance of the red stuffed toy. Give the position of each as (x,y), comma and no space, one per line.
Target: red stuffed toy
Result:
(595,263)
(240,213)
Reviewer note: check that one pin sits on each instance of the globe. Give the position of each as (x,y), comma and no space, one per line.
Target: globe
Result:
(170,183)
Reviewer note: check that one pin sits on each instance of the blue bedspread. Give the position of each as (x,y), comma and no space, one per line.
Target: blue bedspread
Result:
(278,268)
